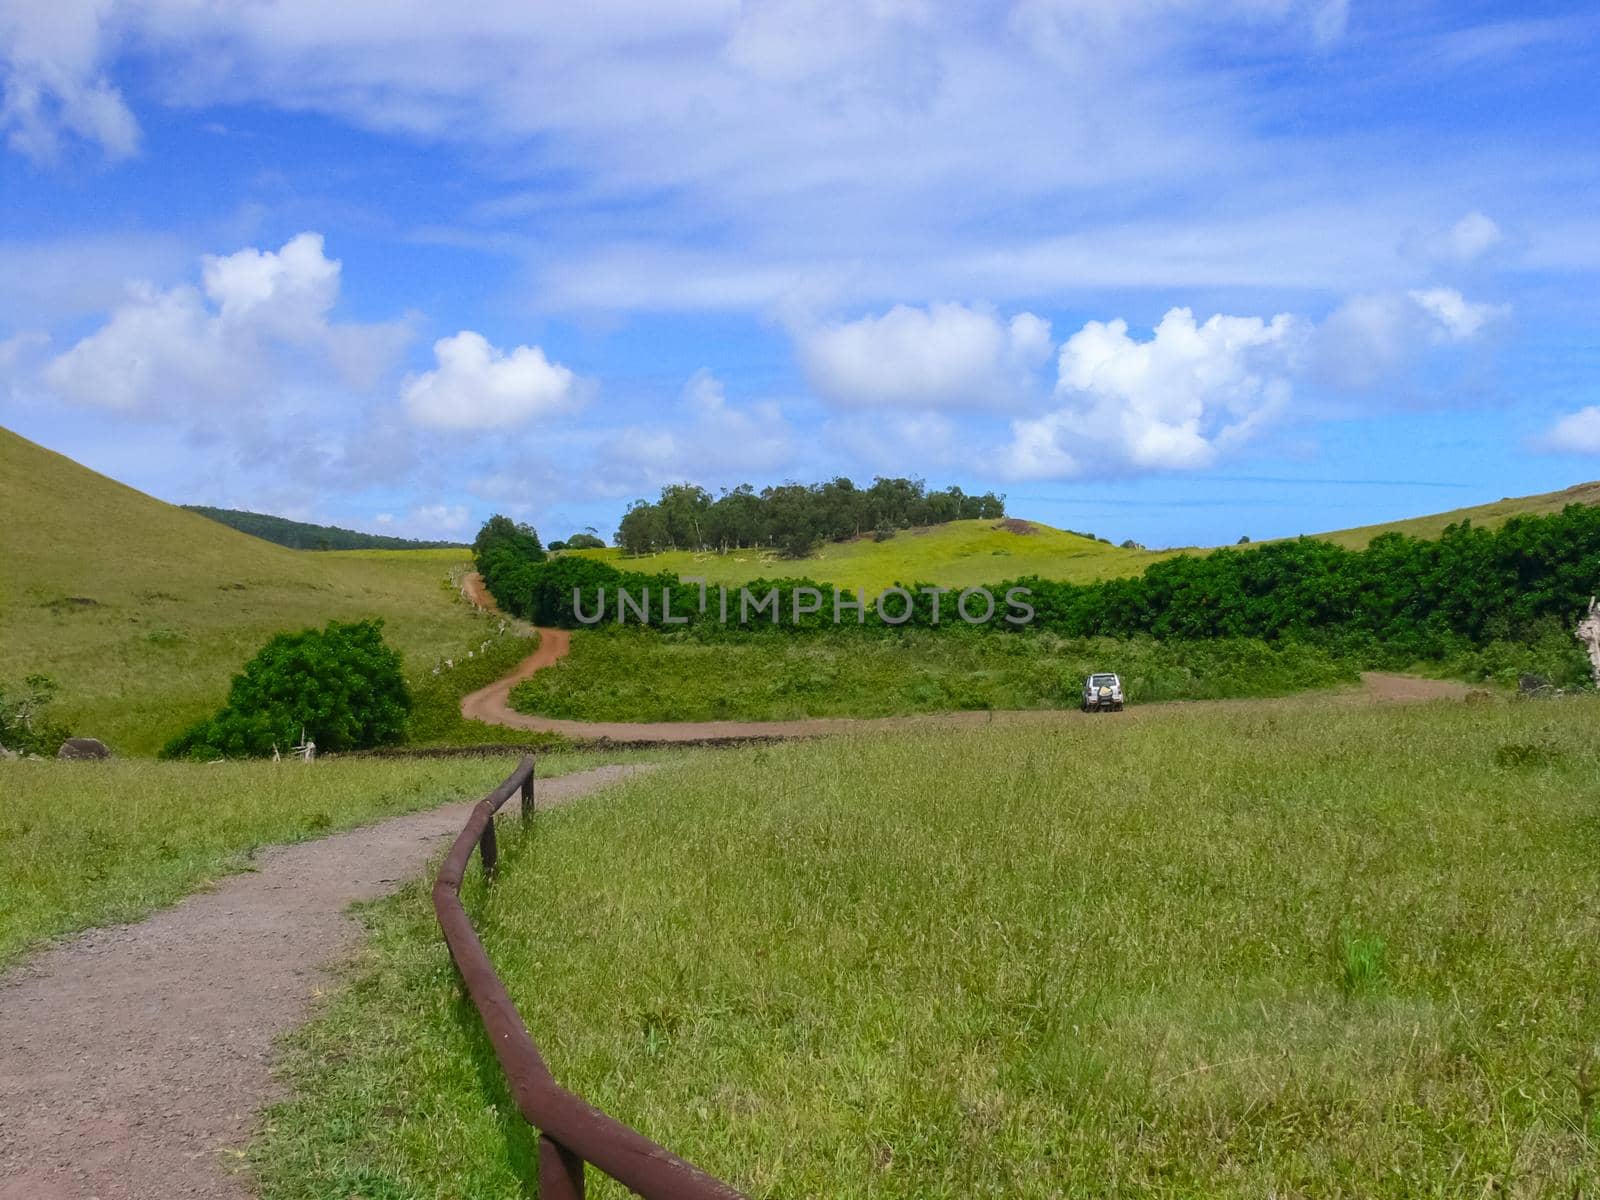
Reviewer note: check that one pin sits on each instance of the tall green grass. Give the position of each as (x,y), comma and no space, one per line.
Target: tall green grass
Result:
(633,675)
(1279,949)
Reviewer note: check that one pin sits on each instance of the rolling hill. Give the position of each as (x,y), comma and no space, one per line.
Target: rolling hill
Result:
(967,553)
(141,612)
(301,535)
(957,553)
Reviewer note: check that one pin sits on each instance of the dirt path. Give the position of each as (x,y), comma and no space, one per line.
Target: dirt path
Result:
(133,1059)
(493,704)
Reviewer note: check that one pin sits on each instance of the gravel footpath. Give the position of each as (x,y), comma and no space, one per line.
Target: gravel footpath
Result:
(133,1060)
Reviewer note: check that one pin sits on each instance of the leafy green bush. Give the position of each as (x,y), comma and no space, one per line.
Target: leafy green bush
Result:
(24,726)
(340,687)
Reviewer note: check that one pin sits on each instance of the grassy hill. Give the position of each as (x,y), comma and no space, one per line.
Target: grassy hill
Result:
(142,612)
(959,553)
(966,553)
(301,535)
(1489,516)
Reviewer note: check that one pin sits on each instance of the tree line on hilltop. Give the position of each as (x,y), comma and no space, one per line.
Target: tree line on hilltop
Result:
(793,518)
(302,535)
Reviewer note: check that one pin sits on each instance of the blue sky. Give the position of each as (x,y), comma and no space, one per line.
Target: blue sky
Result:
(1156,269)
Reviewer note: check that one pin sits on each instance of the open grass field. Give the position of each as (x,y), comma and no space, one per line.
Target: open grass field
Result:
(967,553)
(89,844)
(142,612)
(633,675)
(1267,949)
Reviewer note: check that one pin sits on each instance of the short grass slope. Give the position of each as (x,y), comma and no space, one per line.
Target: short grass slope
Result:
(640,675)
(1487,516)
(968,553)
(142,611)
(957,554)
(1277,949)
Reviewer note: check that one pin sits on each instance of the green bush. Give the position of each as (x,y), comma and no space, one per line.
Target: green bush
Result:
(340,687)
(24,726)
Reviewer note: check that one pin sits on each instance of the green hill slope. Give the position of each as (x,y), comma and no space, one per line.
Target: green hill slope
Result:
(1489,516)
(957,554)
(301,535)
(966,553)
(142,612)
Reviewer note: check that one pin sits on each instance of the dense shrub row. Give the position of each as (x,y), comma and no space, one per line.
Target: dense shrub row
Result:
(1407,595)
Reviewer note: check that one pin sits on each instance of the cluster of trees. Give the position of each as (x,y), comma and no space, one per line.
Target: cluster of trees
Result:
(1407,595)
(1410,594)
(300,535)
(341,687)
(587,540)
(792,518)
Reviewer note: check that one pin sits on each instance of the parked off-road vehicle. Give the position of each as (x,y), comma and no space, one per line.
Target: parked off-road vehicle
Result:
(1102,692)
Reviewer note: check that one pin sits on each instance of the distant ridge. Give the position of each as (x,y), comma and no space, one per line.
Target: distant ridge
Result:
(301,535)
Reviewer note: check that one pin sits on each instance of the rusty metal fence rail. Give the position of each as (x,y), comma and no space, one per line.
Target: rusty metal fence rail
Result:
(571,1131)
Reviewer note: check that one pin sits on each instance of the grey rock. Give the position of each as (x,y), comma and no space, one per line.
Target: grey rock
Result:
(83,749)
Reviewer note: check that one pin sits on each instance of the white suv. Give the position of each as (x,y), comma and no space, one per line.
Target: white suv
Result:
(1102,693)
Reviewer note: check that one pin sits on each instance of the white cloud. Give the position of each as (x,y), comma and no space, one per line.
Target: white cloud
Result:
(259,317)
(439,521)
(1575,433)
(1471,237)
(707,439)
(818,138)
(1456,319)
(476,386)
(158,350)
(1370,337)
(18,348)
(887,441)
(1174,402)
(52,80)
(942,356)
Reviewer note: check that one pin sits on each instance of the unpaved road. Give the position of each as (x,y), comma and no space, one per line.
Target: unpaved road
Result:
(493,705)
(133,1059)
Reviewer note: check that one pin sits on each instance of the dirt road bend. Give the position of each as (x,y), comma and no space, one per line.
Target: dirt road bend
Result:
(133,1059)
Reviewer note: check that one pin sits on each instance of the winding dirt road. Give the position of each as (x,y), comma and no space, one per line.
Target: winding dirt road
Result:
(492,704)
(133,1059)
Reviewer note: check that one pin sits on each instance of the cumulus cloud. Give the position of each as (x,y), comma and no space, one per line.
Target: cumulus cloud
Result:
(1575,433)
(1370,337)
(707,438)
(1174,402)
(434,522)
(1455,318)
(259,316)
(476,386)
(942,356)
